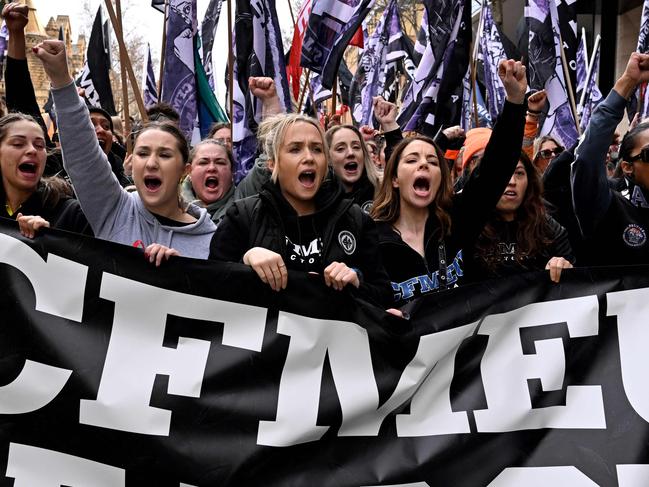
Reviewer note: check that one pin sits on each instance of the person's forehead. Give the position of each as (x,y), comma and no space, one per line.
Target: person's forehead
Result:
(212,151)
(302,131)
(98,117)
(549,144)
(222,132)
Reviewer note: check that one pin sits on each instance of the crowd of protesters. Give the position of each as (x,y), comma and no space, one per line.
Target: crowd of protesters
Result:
(393,216)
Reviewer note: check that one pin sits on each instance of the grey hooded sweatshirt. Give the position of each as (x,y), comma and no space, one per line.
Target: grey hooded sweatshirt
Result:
(113,213)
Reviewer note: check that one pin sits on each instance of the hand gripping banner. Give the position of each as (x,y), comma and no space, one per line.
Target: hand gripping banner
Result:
(115,373)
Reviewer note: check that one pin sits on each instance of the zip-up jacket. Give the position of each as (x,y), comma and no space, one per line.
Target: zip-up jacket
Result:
(413,275)
(616,228)
(347,234)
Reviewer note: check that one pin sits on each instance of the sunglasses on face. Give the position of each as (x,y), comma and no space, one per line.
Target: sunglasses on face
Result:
(549,153)
(642,156)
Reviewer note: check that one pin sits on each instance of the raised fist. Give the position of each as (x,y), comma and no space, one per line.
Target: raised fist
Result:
(262,87)
(512,74)
(15,15)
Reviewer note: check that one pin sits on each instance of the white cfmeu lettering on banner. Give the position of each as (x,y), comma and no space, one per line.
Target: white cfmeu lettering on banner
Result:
(347,346)
(505,369)
(37,467)
(36,386)
(136,355)
(632,308)
(430,408)
(541,477)
(632,475)
(59,285)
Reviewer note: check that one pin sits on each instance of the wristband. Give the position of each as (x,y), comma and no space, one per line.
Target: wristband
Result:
(534,112)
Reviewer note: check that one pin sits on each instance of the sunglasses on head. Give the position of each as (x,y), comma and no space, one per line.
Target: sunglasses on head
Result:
(548,153)
(642,156)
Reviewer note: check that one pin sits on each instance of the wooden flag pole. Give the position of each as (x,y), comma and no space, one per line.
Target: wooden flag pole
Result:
(230,68)
(571,94)
(164,48)
(122,62)
(290,9)
(304,88)
(334,95)
(129,67)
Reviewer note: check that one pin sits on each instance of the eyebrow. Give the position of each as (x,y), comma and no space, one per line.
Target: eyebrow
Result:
(24,137)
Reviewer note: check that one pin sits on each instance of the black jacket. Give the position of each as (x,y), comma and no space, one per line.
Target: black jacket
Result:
(411,274)
(616,228)
(64,214)
(505,261)
(345,233)
(362,193)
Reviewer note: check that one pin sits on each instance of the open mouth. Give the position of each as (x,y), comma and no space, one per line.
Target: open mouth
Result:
(511,194)
(212,182)
(421,185)
(307,178)
(27,167)
(351,166)
(152,183)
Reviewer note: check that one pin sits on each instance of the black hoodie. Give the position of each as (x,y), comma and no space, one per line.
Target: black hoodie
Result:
(441,267)
(337,232)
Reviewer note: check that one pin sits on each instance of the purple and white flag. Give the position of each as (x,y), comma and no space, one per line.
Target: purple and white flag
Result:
(468,115)
(399,60)
(491,52)
(179,80)
(434,97)
(150,90)
(319,93)
(567,16)
(258,52)
(369,80)
(332,24)
(640,100)
(208,31)
(546,70)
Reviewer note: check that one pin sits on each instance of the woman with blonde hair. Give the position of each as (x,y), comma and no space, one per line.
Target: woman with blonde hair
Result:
(300,219)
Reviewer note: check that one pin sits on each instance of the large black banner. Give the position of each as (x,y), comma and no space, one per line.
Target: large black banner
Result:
(115,373)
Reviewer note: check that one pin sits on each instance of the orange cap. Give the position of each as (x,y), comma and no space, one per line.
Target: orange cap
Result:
(476,140)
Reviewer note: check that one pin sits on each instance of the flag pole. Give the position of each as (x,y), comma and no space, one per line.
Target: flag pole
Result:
(334,95)
(129,67)
(474,68)
(164,48)
(591,64)
(304,88)
(290,9)
(571,94)
(122,63)
(583,42)
(230,68)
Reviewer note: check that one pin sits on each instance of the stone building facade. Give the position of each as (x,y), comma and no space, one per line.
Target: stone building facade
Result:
(36,33)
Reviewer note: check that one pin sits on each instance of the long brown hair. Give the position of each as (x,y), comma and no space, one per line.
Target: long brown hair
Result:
(387,203)
(532,234)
